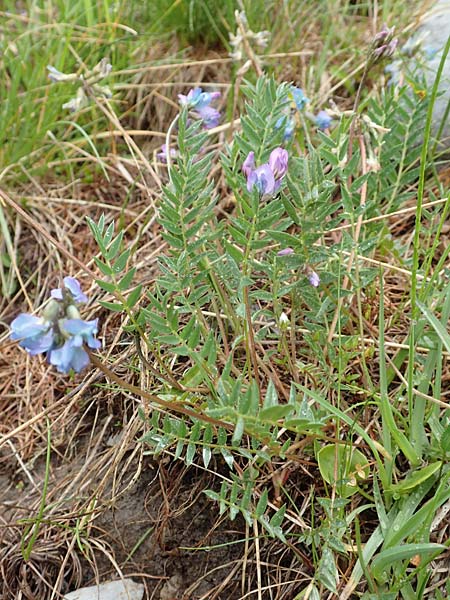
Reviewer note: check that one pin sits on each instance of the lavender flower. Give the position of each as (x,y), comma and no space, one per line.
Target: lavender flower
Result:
(323,120)
(249,164)
(262,178)
(285,252)
(313,278)
(162,154)
(384,43)
(209,115)
(267,177)
(278,162)
(199,102)
(384,35)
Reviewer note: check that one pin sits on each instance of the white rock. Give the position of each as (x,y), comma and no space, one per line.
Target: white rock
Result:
(124,589)
(435,29)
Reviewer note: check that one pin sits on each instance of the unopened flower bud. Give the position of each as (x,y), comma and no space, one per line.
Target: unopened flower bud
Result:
(283,321)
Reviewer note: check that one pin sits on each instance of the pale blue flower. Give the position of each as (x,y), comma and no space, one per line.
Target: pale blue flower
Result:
(71,355)
(197,98)
(72,285)
(288,122)
(35,333)
(56,76)
(297,95)
(323,120)
(86,330)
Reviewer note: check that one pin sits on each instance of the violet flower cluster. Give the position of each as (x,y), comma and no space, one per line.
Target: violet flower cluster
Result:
(198,103)
(384,43)
(59,332)
(266,178)
(162,154)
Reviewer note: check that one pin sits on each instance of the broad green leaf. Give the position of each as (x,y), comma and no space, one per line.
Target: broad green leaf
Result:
(102,267)
(327,572)
(107,286)
(416,478)
(383,562)
(273,413)
(342,466)
(262,504)
(114,306)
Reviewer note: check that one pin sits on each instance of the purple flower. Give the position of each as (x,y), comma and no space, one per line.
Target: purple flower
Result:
(200,101)
(384,43)
(278,162)
(285,252)
(313,278)
(162,155)
(249,164)
(72,285)
(323,120)
(209,115)
(266,178)
(262,178)
(384,34)
(36,334)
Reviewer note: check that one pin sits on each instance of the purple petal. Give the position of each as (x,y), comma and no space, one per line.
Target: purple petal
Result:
(278,162)
(285,252)
(249,164)
(262,178)
(313,279)
(210,116)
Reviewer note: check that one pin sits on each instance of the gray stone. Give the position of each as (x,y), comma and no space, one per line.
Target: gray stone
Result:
(123,589)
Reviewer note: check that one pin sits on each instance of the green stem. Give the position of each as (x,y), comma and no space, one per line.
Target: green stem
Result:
(417,406)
